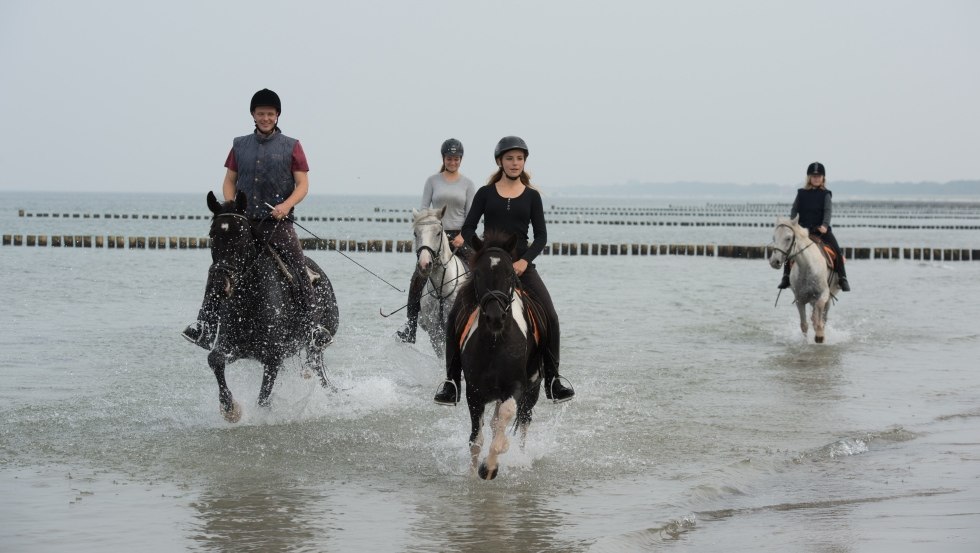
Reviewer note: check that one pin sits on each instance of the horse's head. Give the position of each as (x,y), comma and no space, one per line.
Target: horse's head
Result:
(494,279)
(429,237)
(784,239)
(231,237)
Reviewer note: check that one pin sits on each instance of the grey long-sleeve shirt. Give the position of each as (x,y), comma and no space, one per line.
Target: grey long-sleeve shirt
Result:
(456,196)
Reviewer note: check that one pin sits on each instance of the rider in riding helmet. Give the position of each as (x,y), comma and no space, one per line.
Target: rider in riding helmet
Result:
(448,188)
(269,168)
(814,206)
(509,203)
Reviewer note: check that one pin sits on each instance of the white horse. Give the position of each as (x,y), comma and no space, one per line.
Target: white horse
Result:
(811,280)
(445,273)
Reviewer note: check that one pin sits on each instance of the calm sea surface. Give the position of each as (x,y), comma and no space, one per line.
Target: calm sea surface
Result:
(704,421)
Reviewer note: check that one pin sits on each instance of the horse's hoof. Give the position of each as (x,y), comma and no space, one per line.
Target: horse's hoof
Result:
(818,339)
(485,474)
(234,414)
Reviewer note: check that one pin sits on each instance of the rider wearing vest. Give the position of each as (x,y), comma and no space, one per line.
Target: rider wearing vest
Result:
(510,204)
(448,188)
(814,206)
(270,168)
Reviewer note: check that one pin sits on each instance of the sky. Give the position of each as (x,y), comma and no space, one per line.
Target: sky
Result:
(146,96)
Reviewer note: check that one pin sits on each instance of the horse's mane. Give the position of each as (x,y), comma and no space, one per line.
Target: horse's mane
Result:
(795,227)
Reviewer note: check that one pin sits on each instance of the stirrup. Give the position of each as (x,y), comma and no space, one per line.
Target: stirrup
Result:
(320,337)
(550,390)
(443,401)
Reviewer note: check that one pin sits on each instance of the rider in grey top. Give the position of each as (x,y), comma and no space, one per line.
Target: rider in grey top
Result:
(447,188)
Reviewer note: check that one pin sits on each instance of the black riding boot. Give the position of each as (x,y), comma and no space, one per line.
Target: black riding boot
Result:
(784,283)
(204,330)
(842,277)
(407,333)
(449,391)
(553,387)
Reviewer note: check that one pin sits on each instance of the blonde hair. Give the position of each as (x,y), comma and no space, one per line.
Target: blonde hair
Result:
(809,182)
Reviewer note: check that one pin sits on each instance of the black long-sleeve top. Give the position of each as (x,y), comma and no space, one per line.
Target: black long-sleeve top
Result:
(510,215)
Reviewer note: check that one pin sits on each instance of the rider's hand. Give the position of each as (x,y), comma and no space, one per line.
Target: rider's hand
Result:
(520,266)
(280,211)
(458,241)
(822,229)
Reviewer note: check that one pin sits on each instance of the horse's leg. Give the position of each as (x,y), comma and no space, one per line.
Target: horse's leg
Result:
(314,361)
(269,372)
(476,433)
(819,307)
(229,407)
(502,416)
(801,307)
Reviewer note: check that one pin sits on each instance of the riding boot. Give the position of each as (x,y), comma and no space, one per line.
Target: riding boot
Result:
(842,277)
(449,391)
(407,333)
(553,387)
(784,283)
(203,331)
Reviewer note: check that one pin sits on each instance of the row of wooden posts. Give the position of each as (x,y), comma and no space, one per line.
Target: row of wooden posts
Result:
(750,224)
(556,248)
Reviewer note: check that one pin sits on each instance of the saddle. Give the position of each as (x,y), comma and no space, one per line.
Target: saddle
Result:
(829,255)
(312,275)
(532,309)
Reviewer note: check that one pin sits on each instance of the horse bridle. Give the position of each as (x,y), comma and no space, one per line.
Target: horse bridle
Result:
(436,260)
(234,272)
(787,255)
(504,300)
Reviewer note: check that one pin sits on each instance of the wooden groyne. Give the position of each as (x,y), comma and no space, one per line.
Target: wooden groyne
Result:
(579,219)
(556,248)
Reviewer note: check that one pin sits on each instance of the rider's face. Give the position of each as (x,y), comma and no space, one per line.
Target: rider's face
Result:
(452,163)
(265,118)
(512,162)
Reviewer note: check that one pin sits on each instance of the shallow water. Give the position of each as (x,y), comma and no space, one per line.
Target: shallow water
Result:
(703,420)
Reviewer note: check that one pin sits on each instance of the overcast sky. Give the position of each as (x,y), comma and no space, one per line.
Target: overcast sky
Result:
(140,96)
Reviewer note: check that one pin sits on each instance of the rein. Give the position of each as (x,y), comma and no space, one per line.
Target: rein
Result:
(229,269)
(504,300)
(438,262)
(788,254)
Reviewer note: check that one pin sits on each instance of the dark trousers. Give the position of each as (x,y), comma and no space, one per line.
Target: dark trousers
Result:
(532,283)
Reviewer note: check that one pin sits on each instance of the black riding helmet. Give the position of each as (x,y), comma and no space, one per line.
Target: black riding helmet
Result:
(508,143)
(452,147)
(816,168)
(265,97)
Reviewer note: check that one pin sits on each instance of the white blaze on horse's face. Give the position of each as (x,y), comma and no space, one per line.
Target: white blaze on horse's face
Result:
(494,261)
(224,227)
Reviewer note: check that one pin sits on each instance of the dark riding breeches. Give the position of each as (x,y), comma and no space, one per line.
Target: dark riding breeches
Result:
(281,236)
(532,283)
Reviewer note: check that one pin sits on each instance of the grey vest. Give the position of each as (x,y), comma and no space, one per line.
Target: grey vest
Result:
(265,172)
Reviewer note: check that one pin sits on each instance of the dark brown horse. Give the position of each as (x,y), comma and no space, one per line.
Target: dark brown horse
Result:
(257,315)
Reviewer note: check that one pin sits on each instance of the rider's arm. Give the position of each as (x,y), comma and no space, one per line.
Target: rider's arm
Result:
(539,227)
(228,186)
(828,208)
(474,214)
(426,195)
(302,179)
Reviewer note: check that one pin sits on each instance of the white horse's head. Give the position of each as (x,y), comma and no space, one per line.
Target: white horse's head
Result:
(429,237)
(785,237)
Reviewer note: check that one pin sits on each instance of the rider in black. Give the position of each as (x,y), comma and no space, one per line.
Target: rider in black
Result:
(509,203)
(814,206)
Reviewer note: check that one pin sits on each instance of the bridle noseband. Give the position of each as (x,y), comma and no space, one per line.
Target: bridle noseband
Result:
(787,254)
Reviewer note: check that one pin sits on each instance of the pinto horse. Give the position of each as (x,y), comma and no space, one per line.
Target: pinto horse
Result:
(445,273)
(811,280)
(499,350)
(258,318)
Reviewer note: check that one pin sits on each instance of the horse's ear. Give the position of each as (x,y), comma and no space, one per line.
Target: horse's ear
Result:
(442,211)
(511,244)
(795,220)
(415,213)
(241,202)
(213,204)
(477,243)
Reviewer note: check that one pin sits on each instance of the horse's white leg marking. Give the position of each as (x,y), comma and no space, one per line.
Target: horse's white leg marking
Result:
(801,307)
(502,416)
(475,447)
